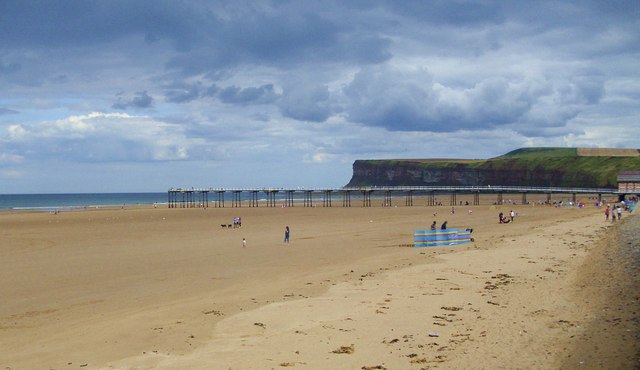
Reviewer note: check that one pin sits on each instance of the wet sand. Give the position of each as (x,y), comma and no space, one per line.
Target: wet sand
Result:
(152,288)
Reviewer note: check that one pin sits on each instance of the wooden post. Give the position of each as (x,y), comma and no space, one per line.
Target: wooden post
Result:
(432,198)
(366,198)
(387,198)
(288,202)
(308,198)
(326,199)
(237,202)
(409,199)
(346,198)
(254,199)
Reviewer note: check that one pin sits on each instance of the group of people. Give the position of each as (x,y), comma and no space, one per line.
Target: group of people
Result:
(237,222)
(613,211)
(442,227)
(504,220)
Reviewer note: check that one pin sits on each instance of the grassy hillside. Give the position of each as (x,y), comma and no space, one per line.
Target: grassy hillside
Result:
(529,153)
(565,167)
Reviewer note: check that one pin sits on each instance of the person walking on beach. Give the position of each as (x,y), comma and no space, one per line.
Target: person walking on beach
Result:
(606,213)
(244,242)
(619,212)
(512,215)
(286,234)
(433,225)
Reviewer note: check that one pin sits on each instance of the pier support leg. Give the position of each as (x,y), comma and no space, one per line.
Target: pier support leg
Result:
(387,199)
(308,198)
(476,199)
(253,202)
(452,200)
(409,199)
(346,199)
(236,199)
(220,202)
(366,198)
(524,198)
(288,202)
(326,200)
(431,199)
(271,198)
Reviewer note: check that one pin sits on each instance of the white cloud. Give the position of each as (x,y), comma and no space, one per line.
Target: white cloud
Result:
(102,137)
(319,158)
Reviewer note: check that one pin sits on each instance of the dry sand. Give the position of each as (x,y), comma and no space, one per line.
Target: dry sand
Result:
(146,288)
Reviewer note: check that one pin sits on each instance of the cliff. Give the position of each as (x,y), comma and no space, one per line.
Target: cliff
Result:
(546,167)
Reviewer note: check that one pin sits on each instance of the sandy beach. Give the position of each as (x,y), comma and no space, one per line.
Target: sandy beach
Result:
(158,288)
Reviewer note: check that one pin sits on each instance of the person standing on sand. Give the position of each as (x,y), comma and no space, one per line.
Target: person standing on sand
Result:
(619,212)
(286,234)
(444,226)
(244,242)
(433,225)
(606,213)
(512,215)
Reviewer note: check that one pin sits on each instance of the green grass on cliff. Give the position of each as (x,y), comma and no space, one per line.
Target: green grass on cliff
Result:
(568,167)
(529,153)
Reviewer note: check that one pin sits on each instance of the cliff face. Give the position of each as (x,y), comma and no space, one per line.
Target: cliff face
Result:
(565,171)
(411,174)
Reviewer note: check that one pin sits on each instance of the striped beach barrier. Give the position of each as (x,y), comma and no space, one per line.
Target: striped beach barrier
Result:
(438,238)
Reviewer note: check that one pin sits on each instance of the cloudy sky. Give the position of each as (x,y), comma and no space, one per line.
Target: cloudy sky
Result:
(109,96)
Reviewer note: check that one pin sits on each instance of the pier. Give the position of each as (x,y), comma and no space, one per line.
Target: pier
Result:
(282,197)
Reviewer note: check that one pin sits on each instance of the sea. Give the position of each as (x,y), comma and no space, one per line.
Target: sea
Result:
(62,202)
(79,201)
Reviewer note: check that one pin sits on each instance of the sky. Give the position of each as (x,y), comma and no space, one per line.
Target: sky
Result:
(141,96)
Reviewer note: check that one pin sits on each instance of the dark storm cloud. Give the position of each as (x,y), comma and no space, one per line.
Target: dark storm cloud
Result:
(412,101)
(459,13)
(184,93)
(305,102)
(141,100)
(236,95)
(76,23)
(280,36)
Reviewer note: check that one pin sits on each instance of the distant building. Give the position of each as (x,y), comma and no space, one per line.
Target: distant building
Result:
(629,181)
